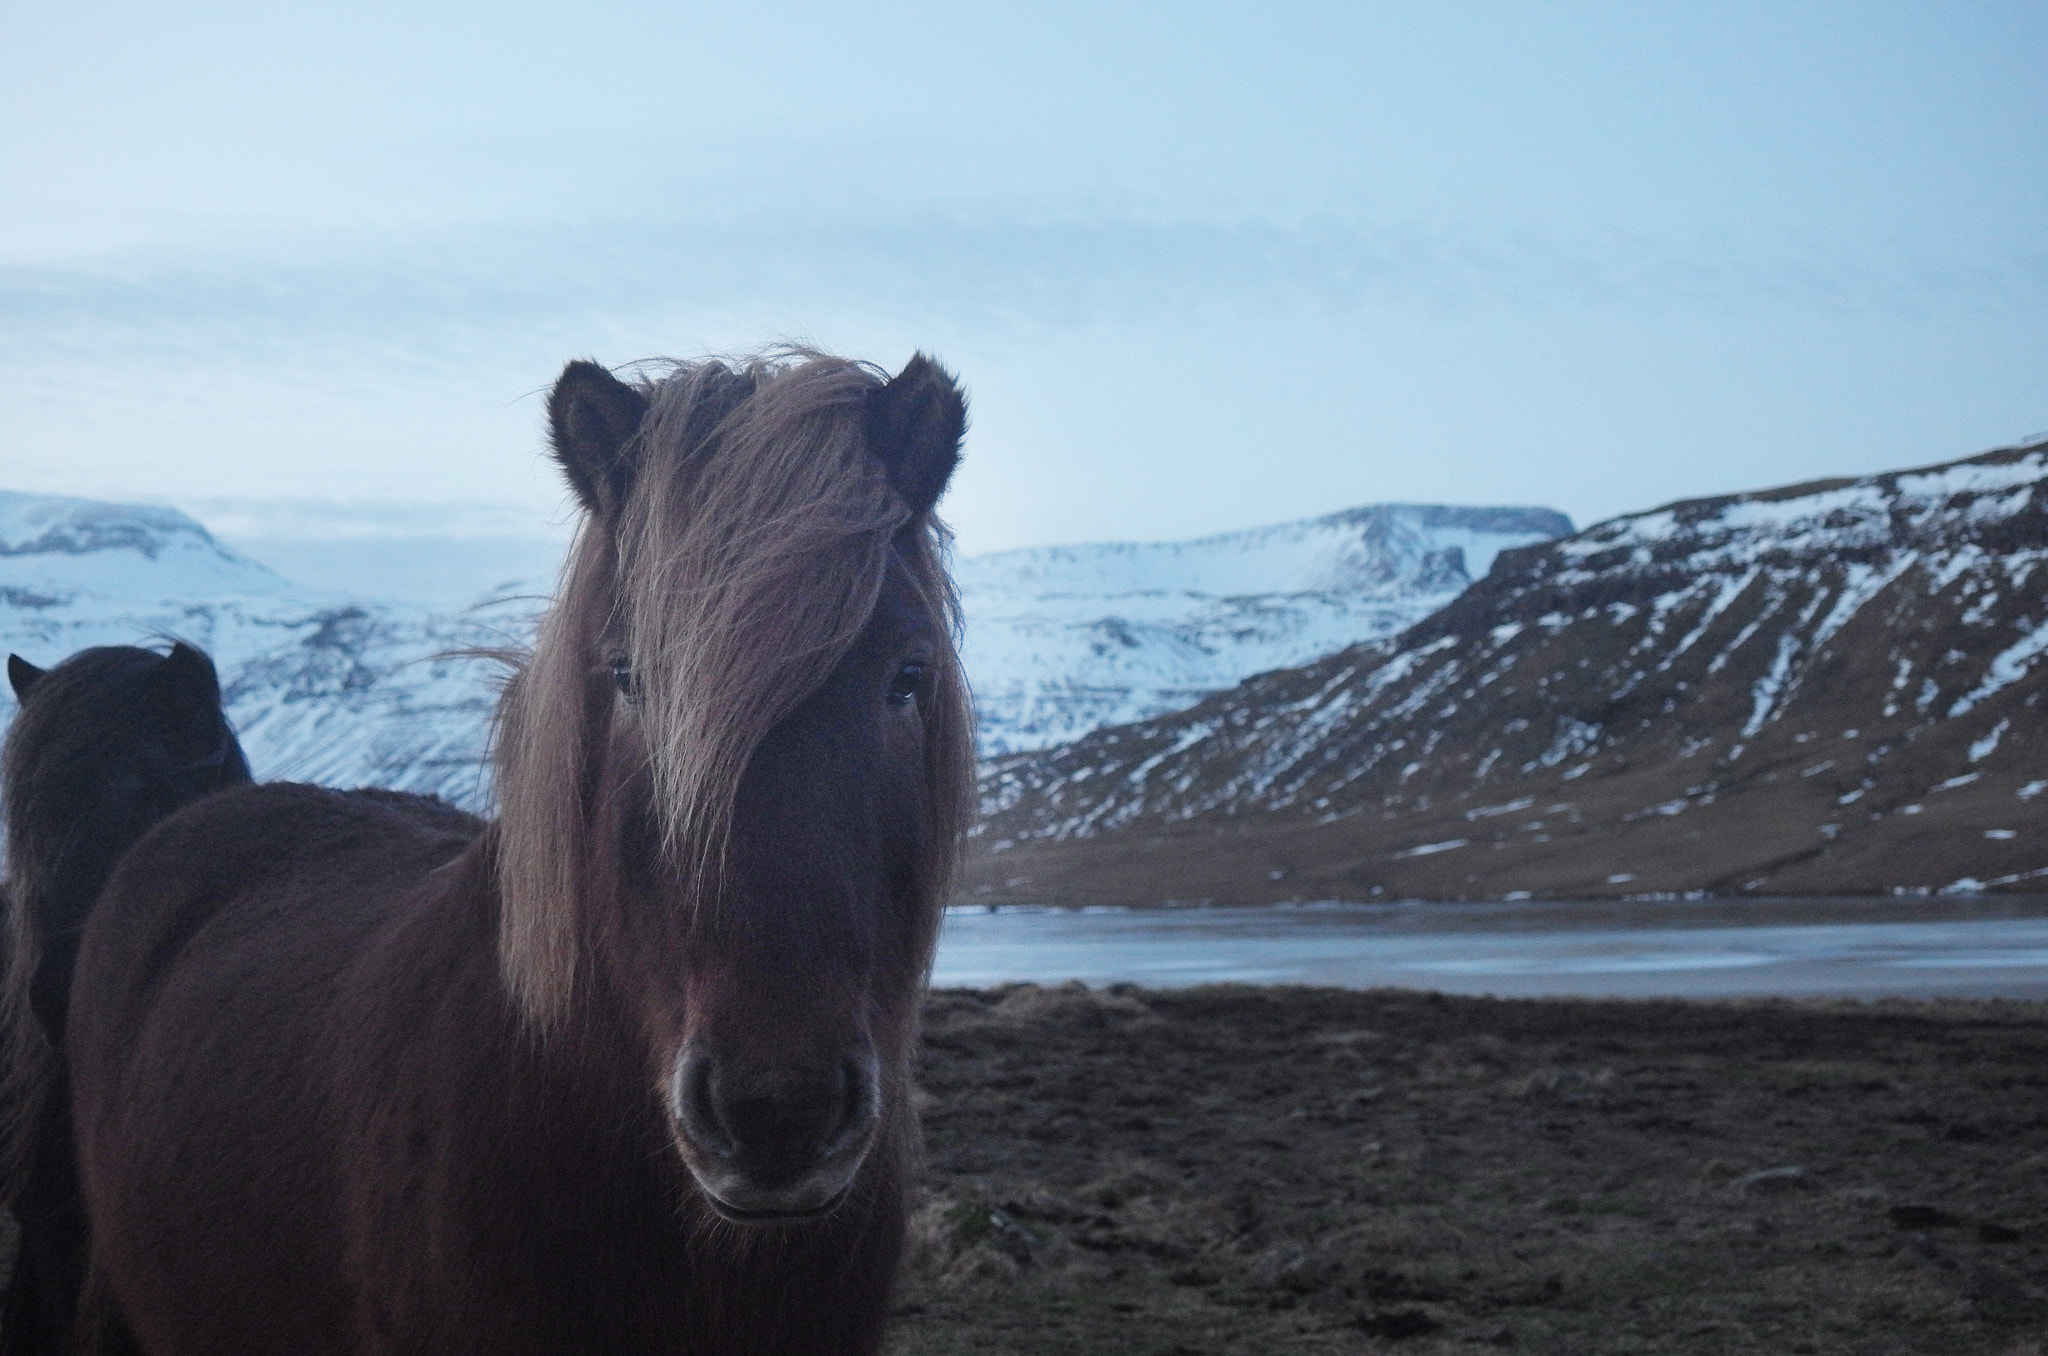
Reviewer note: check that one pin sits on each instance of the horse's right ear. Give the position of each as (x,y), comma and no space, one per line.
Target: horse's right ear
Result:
(22,675)
(190,676)
(592,417)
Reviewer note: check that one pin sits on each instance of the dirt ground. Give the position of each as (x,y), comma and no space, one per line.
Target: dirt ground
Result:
(1270,1170)
(1303,1170)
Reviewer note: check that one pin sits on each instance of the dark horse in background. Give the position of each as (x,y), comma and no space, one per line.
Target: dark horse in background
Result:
(626,1070)
(104,746)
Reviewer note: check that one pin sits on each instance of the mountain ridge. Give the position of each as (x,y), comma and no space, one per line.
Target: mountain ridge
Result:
(321,686)
(339,688)
(1618,700)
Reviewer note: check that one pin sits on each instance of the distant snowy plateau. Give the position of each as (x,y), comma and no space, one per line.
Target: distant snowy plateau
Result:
(351,691)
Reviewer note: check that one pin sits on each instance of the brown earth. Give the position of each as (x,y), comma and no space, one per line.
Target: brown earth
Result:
(1605,836)
(1274,1171)
(1301,1170)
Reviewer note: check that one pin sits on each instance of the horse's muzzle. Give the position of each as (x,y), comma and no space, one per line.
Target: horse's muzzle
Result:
(774,1144)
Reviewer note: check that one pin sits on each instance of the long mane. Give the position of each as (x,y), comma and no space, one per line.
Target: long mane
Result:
(744,565)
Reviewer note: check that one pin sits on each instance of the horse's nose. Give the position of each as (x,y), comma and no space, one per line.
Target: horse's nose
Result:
(775,1141)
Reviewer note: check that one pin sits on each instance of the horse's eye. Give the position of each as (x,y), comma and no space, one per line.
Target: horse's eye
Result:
(628,685)
(903,687)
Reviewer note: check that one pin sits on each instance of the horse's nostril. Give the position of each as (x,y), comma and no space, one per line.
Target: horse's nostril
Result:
(857,1107)
(697,1107)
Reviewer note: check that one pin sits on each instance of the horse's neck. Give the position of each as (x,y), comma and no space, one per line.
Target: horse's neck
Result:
(593,1056)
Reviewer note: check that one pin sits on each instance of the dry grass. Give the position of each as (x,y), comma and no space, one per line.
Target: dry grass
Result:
(1280,1171)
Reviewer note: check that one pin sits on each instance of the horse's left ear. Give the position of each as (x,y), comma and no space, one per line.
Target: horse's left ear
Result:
(22,675)
(914,426)
(592,416)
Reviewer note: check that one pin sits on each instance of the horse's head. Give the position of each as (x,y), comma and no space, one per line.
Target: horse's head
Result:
(116,734)
(104,745)
(736,771)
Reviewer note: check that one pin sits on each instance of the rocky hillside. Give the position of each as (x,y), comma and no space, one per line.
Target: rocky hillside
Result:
(1063,639)
(1832,687)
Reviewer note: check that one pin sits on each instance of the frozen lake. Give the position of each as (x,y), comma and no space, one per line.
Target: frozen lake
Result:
(1976,947)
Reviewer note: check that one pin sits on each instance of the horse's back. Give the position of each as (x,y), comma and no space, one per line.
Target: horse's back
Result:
(274,868)
(206,1011)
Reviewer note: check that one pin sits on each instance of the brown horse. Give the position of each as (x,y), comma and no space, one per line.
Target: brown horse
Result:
(626,1070)
(104,746)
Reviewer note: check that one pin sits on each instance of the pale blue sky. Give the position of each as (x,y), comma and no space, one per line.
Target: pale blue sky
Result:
(1201,267)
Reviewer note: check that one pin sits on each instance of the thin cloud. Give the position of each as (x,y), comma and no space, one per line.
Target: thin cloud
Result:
(426,296)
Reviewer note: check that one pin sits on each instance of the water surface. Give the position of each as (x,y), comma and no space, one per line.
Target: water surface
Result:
(1968,946)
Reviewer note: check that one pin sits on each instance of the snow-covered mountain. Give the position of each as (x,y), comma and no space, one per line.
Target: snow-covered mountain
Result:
(1834,687)
(1064,639)
(1825,687)
(348,690)
(321,686)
